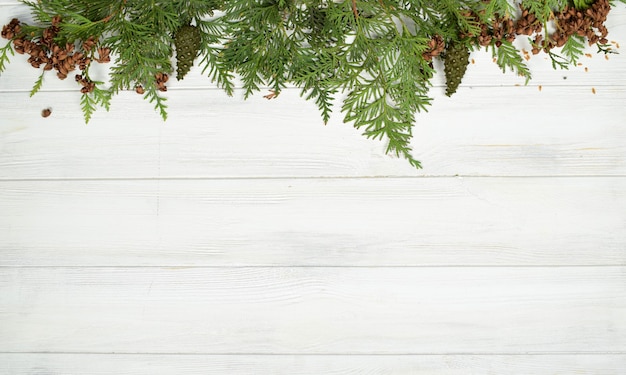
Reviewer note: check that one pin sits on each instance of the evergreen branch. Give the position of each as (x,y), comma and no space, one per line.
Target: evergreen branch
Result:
(217,71)
(606,48)
(37,85)
(502,7)
(582,4)
(140,58)
(385,104)
(370,109)
(102,97)
(508,57)
(543,9)
(4,56)
(38,11)
(152,95)
(558,61)
(573,49)
(313,71)
(323,99)
(88,105)
(91,100)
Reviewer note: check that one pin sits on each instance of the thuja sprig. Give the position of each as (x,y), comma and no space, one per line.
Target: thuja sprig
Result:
(4,56)
(93,95)
(573,50)
(508,57)
(90,101)
(392,83)
(37,85)
(543,9)
(211,47)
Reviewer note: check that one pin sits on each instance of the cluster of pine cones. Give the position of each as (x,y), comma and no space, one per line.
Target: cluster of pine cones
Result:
(587,23)
(501,28)
(45,51)
(12,29)
(86,83)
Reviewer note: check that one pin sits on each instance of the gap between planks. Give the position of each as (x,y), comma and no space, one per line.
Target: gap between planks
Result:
(305,178)
(182,266)
(360,354)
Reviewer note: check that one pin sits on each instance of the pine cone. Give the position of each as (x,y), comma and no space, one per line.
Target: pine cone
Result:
(455,62)
(187,42)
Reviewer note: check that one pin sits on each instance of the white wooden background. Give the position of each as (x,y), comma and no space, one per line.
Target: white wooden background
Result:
(244,237)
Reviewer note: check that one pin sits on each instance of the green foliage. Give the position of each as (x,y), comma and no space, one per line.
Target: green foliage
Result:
(373,55)
(543,9)
(4,56)
(508,57)
(37,85)
(503,7)
(152,95)
(92,100)
(573,49)
(582,4)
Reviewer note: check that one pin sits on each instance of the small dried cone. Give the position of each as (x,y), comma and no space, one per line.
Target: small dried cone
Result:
(103,55)
(436,46)
(83,63)
(11,29)
(161,79)
(90,42)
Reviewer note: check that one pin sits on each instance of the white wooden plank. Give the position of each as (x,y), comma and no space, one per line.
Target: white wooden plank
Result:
(483,72)
(313,310)
(512,131)
(75,364)
(333,222)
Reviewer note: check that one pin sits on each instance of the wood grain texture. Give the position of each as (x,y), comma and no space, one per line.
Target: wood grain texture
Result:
(244,237)
(508,131)
(313,310)
(336,222)
(72,364)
